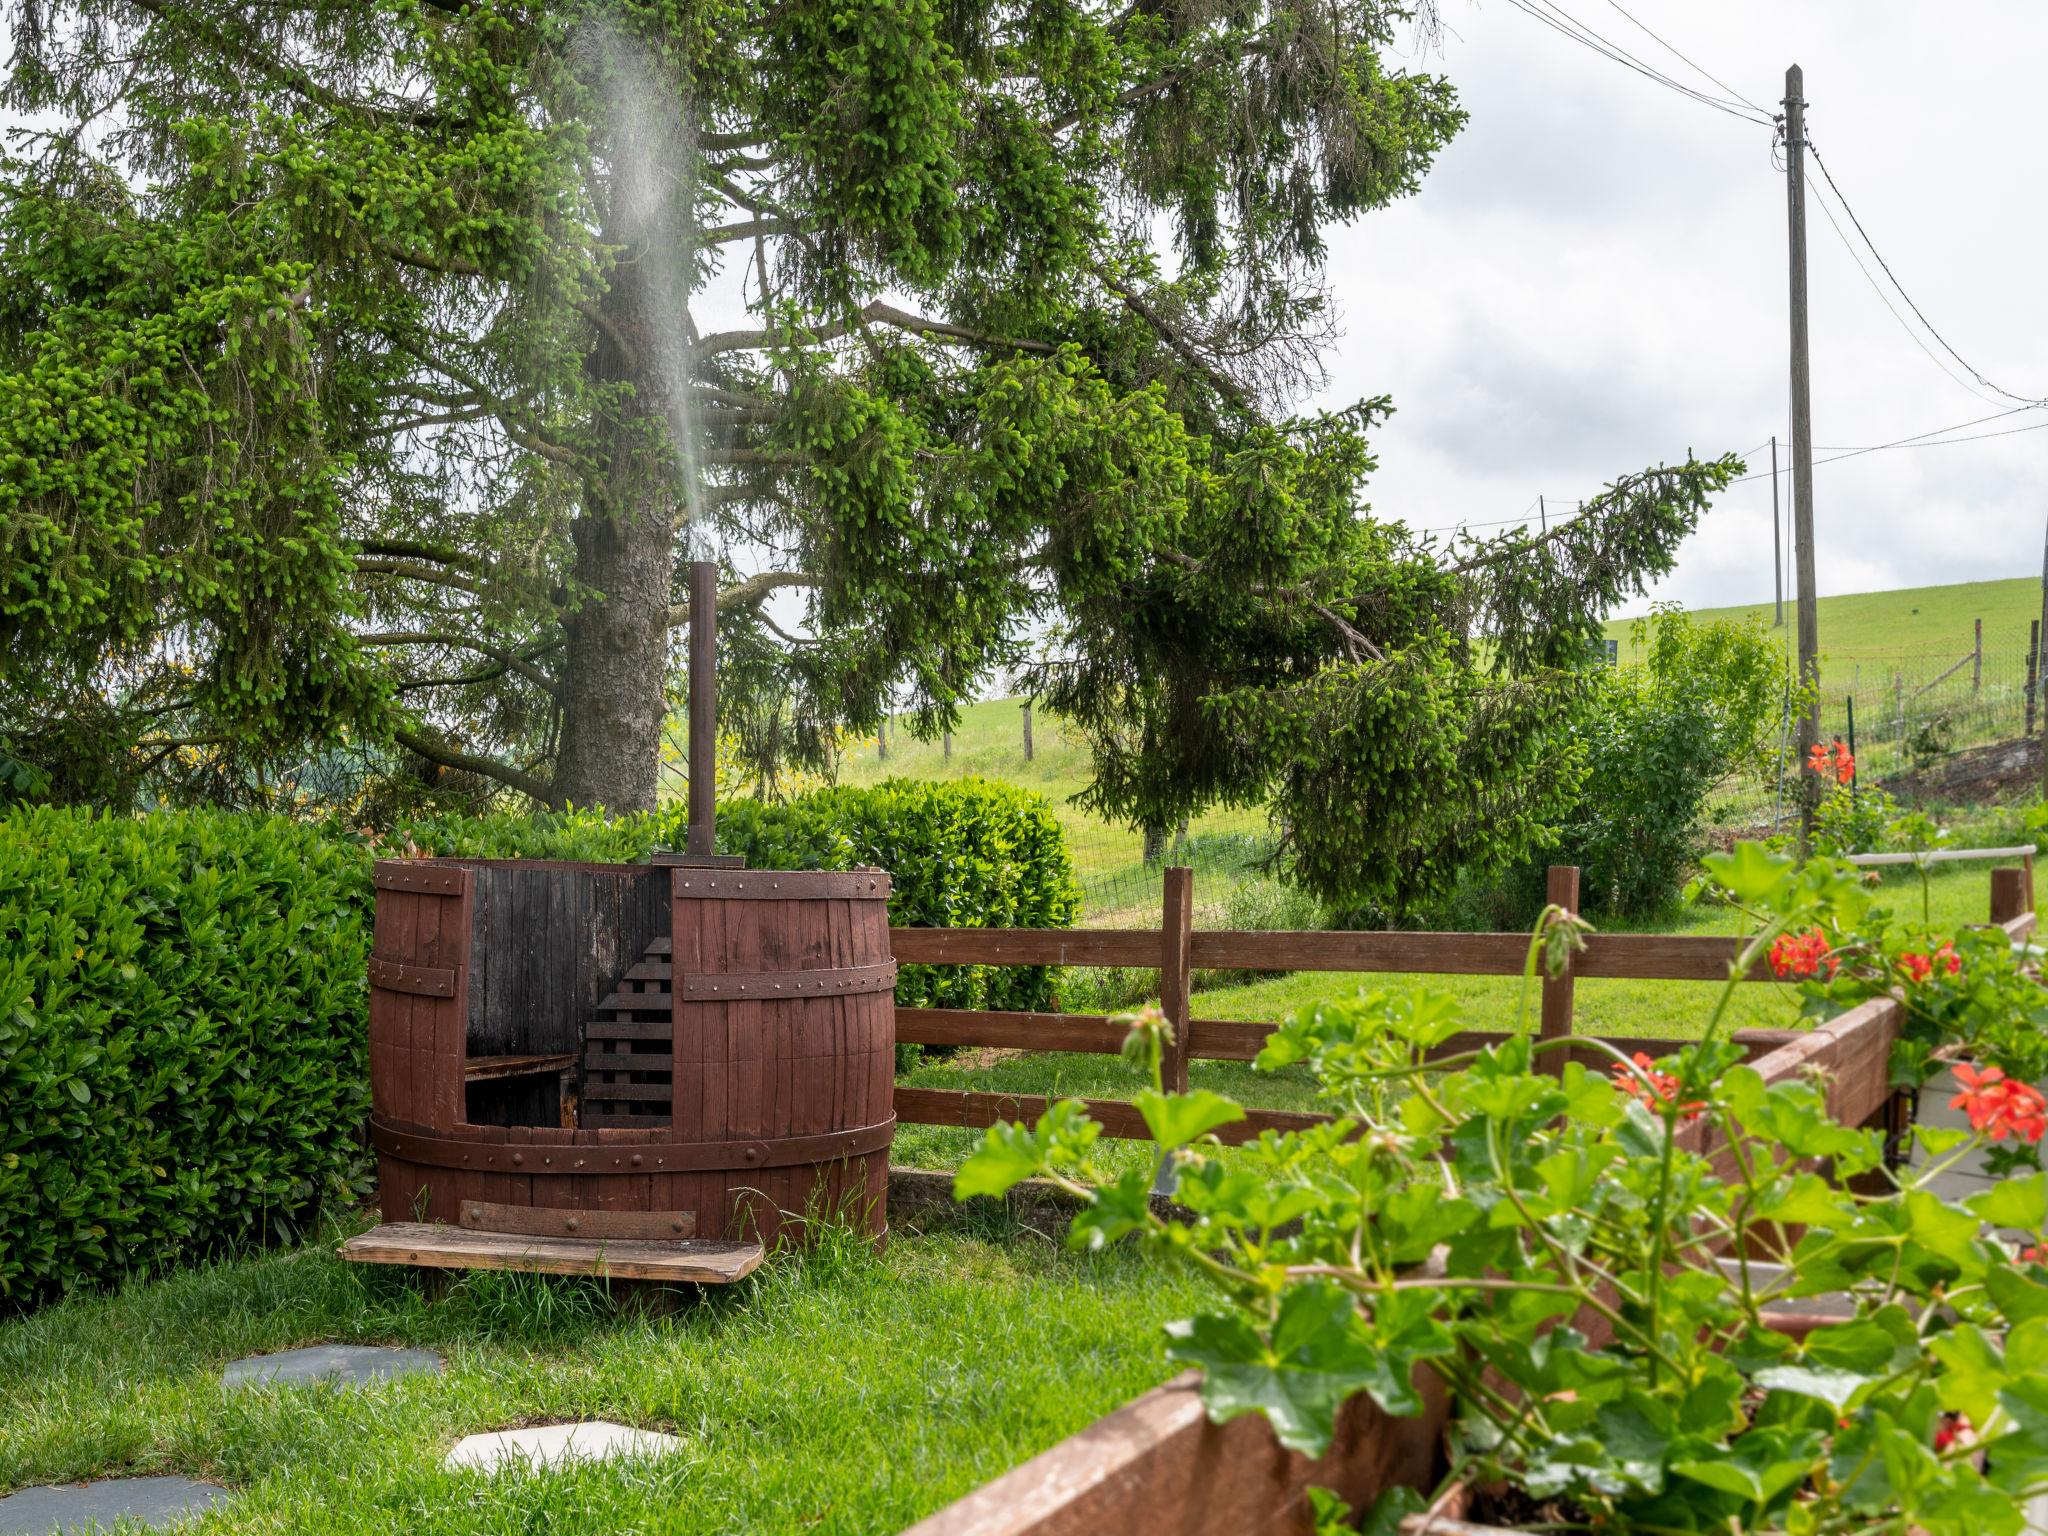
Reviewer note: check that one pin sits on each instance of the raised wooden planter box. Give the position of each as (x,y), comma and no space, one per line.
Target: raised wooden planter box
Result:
(1158,1465)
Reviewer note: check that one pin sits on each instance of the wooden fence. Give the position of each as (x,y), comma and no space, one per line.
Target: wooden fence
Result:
(1177,950)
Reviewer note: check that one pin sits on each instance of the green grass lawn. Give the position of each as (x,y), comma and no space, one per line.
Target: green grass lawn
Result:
(844,1393)
(1958,894)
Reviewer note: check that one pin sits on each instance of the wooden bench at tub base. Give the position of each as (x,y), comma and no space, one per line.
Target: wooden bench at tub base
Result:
(432,1245)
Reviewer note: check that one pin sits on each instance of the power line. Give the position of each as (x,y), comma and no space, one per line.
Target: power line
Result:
(1877,288)
(1668,48)
(1933,437)
(1922,440)
(1901,287)
(1561,22)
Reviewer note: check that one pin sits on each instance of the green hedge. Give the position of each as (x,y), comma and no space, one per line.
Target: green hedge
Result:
(181,1037)
(183,1000)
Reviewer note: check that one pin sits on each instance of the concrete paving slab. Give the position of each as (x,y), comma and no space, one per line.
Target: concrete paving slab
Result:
(348,1365)
(549,1445)
(155,1502)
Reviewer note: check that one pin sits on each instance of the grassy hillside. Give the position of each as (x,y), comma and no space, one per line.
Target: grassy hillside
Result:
(1911,626)
(1882,646)
(1111,860)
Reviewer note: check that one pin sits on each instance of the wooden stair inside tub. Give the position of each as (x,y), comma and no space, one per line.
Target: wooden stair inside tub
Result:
(628,1060)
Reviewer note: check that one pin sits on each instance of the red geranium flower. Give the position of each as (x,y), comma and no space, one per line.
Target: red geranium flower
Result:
(1796,956)
(1953,1427)
(2033,1255)
(1998,1107)
(1835,760)
(1652,1088)
(1919,967)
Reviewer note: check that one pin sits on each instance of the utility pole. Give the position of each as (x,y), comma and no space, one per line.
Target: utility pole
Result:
(1543,514)
(2044,641)
(1802,451)
(1777,541)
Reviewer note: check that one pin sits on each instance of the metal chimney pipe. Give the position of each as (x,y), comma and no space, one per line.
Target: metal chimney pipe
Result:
(703,706)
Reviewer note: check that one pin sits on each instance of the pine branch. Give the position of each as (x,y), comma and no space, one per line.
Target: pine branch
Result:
(746,593)
(450,757)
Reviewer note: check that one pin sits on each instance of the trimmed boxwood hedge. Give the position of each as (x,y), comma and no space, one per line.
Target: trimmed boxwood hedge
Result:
(183,1001)
(181,1037)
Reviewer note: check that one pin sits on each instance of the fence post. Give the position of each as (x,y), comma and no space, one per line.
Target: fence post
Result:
(2033,664)
(2008,894)
(1176,934)
(1977,661)
(1561,890)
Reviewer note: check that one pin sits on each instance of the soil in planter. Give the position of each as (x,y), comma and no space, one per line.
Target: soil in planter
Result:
(1511,1508)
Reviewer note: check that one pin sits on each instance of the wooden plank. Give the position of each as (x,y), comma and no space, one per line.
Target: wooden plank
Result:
(1939,856)
(780,884)
(2008,895)
(612,1093)
(1443,954)
(975,1111)
(426,1245)
(592,1226)
(418,876)
(629,1061)
(1209,1039)
(484,1069)
(1561,890)
(1640,956)
(1084,1032)
(1158,1464)
(1176,981)
(644,1028)
(419,980)
(1135,947)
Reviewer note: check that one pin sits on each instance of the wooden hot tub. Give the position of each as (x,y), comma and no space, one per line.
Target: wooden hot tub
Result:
(630,1052)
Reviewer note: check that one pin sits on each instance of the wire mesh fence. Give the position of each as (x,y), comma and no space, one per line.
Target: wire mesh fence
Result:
(1907,718)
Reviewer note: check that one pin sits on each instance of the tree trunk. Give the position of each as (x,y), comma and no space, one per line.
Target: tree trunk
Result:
(616,659)
(1155,844)
(613,701)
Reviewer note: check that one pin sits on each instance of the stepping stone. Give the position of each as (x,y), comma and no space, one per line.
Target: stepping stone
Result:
(547,1445)
(157,1503)
(348,1365)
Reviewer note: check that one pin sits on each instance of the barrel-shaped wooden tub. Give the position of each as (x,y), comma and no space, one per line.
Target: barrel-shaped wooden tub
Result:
(631,1051)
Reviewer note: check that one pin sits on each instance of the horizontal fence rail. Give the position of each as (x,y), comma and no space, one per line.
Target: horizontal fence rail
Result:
(1177,951)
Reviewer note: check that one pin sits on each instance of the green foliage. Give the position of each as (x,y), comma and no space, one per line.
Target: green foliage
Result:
(1655,740)
(1591,1263)
(181,1039)
(1852,819)
(973,390)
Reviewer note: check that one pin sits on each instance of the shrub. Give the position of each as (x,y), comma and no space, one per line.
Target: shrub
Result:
(181,1038)
(968,853)
(1656,739)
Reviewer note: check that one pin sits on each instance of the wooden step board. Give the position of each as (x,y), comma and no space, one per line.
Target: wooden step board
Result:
(635,1019)
(425,1245)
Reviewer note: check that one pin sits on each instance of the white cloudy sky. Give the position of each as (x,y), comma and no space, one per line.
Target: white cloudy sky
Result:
(1594,279)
